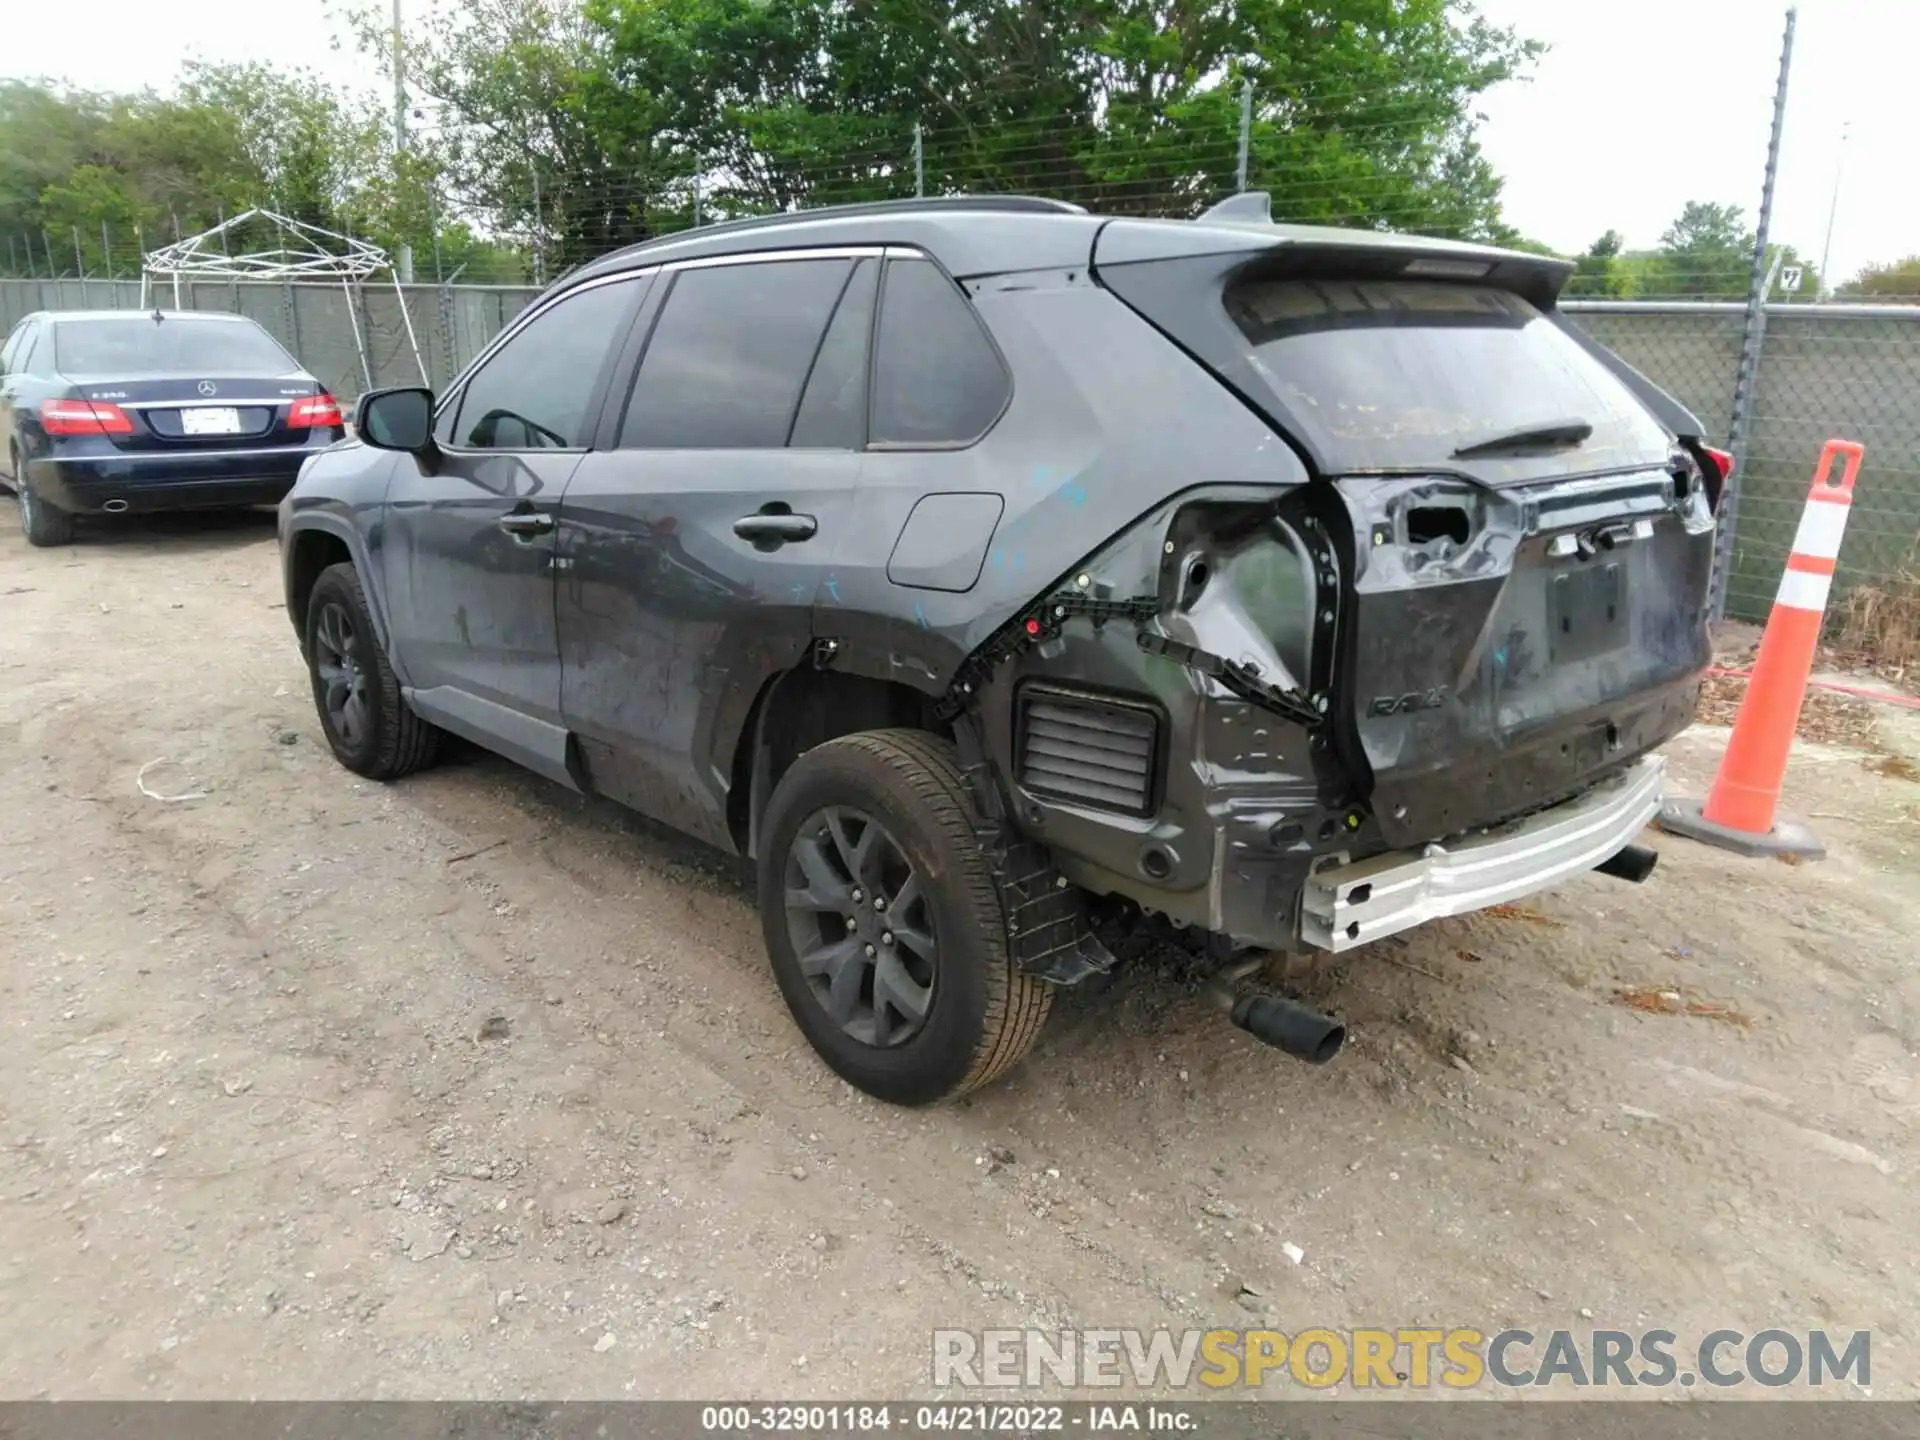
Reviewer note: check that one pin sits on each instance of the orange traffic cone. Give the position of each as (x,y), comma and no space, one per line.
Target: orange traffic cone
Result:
(1742,810)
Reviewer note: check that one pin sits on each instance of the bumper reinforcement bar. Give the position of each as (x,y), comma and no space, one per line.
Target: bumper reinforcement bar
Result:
(1349,905)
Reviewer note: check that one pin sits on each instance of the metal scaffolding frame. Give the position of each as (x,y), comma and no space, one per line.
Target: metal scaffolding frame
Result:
(303,252)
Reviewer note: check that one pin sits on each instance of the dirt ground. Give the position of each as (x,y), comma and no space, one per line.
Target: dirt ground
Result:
(465,1087)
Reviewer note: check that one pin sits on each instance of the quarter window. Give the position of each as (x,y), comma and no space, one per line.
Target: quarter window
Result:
(937,379)
(534,392)
(730,354)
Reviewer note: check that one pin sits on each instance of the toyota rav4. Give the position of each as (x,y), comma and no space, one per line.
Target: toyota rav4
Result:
(976,565)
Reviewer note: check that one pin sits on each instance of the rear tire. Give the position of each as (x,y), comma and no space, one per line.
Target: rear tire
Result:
(366,720)
(44,525)
(897,802)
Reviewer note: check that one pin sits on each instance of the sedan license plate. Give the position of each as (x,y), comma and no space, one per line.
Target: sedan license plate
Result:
(201,421)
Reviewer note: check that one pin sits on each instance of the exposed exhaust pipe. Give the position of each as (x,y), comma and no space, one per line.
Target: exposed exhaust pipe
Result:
(1277,1021)
(1274,1020)
(1634,863)
(114,507)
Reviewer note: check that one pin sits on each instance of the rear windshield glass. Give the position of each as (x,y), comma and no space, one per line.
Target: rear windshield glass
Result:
(1392,374)
(141,346)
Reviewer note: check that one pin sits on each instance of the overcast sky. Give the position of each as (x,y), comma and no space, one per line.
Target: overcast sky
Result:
(1640,105)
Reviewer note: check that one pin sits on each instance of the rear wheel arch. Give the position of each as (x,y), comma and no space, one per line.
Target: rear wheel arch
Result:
(800,709)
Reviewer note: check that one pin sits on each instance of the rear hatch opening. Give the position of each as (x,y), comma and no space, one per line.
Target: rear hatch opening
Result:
(1525,546)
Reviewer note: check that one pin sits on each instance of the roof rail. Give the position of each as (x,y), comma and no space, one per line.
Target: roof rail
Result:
(1004,204)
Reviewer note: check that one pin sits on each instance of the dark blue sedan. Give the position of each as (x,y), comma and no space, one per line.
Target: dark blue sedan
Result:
(103,412)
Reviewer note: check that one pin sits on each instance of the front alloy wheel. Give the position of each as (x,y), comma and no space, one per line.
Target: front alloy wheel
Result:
(367,721)
(339,666)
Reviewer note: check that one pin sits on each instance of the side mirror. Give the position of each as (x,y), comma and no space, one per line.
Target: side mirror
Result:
(396,420)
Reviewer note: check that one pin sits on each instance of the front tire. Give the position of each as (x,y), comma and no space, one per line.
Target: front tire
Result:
(365,718)
(884,923)
(44,525)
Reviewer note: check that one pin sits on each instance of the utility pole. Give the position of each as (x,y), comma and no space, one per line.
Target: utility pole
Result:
(919,163)
(539,224)
(1246,135)
(1746,377)
(1833,209)
(403,258)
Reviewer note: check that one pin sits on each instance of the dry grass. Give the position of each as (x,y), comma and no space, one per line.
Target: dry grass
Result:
(1521,912)
(1827,718)
(1878,627)
(1894,767)
(1651,1000)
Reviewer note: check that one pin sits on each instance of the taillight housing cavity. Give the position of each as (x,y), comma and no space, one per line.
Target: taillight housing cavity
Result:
(1717,466)
(84,417)
(315,412)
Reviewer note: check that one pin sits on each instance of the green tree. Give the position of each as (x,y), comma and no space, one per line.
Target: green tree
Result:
(1707,251)
(46,136)
(1895,283)
(1362,107)
(527,126)
(147,166)
(93,204)
(1598,272)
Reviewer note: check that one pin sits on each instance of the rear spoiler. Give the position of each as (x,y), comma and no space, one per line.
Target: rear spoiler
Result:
(1240,232)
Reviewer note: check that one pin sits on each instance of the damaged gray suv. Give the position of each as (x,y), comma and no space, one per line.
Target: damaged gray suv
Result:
(980,566)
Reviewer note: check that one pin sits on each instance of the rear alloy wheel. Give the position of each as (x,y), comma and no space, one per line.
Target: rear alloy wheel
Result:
(884,924)
(44,525)
(365,718)
(860,927)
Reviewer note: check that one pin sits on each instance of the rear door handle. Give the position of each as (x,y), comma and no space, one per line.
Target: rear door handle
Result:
(525,524)
(769,531)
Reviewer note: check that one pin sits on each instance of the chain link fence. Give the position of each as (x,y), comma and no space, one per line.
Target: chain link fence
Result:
(1825,371)
(1851,371)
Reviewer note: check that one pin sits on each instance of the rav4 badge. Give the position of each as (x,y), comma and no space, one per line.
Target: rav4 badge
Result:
(1403,704)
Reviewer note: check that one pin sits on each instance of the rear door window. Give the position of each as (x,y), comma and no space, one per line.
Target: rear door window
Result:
(140,345)
(1398,374)
(833,411)
(938,381)
(12,353)
(730,354)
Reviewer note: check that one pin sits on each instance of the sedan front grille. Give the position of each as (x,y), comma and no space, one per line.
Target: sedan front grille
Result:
(1089,749)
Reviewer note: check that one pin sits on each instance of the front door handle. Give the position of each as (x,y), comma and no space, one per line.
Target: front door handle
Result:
(525,524)
(768,531)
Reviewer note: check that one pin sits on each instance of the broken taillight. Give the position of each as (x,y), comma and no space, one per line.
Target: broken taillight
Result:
(1718,468)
